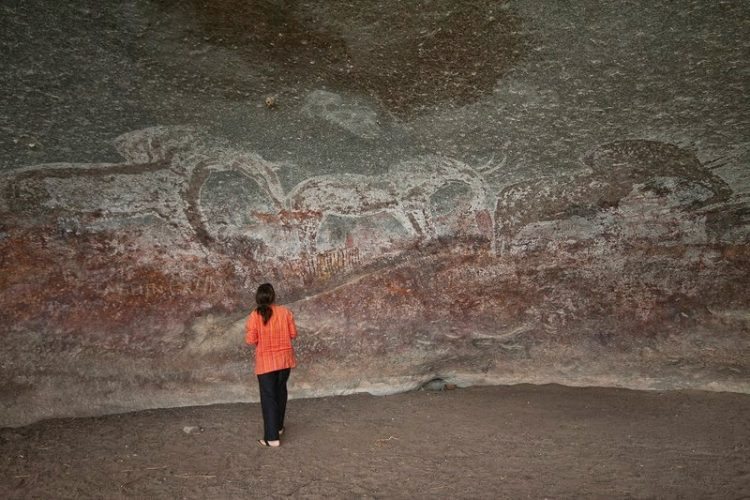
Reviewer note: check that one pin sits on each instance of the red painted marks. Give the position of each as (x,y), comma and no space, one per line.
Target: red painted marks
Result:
(78,286)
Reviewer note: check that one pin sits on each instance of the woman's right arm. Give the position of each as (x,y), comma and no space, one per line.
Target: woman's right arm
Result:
(291,326)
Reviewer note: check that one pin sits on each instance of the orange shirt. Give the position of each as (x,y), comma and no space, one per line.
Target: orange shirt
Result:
(273,341)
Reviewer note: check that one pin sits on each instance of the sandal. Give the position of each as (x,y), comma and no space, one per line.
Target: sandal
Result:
(281,431)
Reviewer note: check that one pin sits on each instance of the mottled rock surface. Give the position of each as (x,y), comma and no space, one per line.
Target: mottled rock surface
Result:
(481,192)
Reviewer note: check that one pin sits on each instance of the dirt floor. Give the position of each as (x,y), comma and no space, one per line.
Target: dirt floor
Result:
(483,442)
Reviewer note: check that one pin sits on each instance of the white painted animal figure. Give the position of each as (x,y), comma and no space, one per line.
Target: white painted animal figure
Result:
(405,193)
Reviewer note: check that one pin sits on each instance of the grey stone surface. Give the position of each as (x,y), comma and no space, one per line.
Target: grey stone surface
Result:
(477,192)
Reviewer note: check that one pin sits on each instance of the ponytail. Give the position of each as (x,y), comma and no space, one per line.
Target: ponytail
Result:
(264,297)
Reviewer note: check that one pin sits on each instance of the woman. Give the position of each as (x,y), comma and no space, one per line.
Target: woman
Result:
(270,328)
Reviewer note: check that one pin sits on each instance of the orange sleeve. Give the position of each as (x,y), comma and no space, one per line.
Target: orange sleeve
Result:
(251,329)
(291,326)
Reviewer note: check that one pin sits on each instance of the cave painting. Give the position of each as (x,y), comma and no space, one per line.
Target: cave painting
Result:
(405,193)
(614,170)
(168,180)
(170,177)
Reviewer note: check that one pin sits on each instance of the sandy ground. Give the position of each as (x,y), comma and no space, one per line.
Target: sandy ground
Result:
(483,442)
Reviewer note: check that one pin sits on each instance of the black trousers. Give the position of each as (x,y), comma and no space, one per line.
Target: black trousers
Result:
(273,398)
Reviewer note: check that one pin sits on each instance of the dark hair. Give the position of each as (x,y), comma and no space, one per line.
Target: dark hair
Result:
(264,297)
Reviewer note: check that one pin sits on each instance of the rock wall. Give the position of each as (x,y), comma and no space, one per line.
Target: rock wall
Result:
(496,192)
